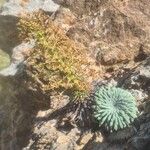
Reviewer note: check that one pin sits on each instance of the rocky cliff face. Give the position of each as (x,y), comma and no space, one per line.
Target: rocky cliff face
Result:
(117,35)
(16,107)
(113,27)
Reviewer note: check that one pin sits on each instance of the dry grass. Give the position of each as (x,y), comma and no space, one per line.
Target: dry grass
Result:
(56,61)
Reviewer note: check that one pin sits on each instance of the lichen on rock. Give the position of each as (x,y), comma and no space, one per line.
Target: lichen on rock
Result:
(4,60)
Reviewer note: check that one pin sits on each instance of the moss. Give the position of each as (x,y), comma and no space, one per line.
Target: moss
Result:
(56,61)
(4,60)
(2,2)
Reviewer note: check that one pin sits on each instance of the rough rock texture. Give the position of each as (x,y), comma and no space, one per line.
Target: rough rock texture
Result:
(140,81)
(136,137)
(47,134)
(16,106)
(15,115)
(8,33)
(17,58)
(20,7)
(48,137)
(9,41)
(118,31)
(117,34)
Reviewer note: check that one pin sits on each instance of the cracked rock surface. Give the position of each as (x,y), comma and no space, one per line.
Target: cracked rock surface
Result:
(116,34)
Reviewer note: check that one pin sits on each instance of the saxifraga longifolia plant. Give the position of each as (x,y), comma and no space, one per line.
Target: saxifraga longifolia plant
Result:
(56,61)
(114,108)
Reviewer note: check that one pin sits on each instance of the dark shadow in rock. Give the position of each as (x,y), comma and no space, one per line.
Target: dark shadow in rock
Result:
(141,56)
(59,114)
(18,108)
(8,33)
(140,141)
(138,79)
(30,107)
(104,145)
(25,124)
(135,78)
(70,116)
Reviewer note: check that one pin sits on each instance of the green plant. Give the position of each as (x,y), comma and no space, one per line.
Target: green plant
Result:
(114,108)
(56,61)
(4,60)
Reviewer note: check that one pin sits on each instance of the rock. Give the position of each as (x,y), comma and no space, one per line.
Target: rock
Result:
(68,142)
(4,60)
(147,106)
(59,101)
(8,33)
(15,121)
(9,40)
(18,55)
(145,70)
(50,6)
(81,7)
(20,7)
(114,29)
(48,137)
(138,82)
(11,8)
(108,146)
(85,138)
(98,143)
(139,143)
(45,113)
(46,5)
(139,95)
(114,35)
(121,135)
(11,70)
(65,18)
(114,32)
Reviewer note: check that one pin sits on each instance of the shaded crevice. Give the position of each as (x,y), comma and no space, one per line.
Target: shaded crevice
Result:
(8,33)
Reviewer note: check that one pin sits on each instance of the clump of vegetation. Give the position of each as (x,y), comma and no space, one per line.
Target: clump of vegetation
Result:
(56,61)
(114,108)
(4,60)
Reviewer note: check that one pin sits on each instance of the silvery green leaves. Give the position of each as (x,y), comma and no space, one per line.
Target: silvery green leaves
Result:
(114,108)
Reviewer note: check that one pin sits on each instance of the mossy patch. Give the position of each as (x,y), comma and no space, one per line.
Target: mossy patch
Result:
(4,60)
(56,61)
(2,2)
